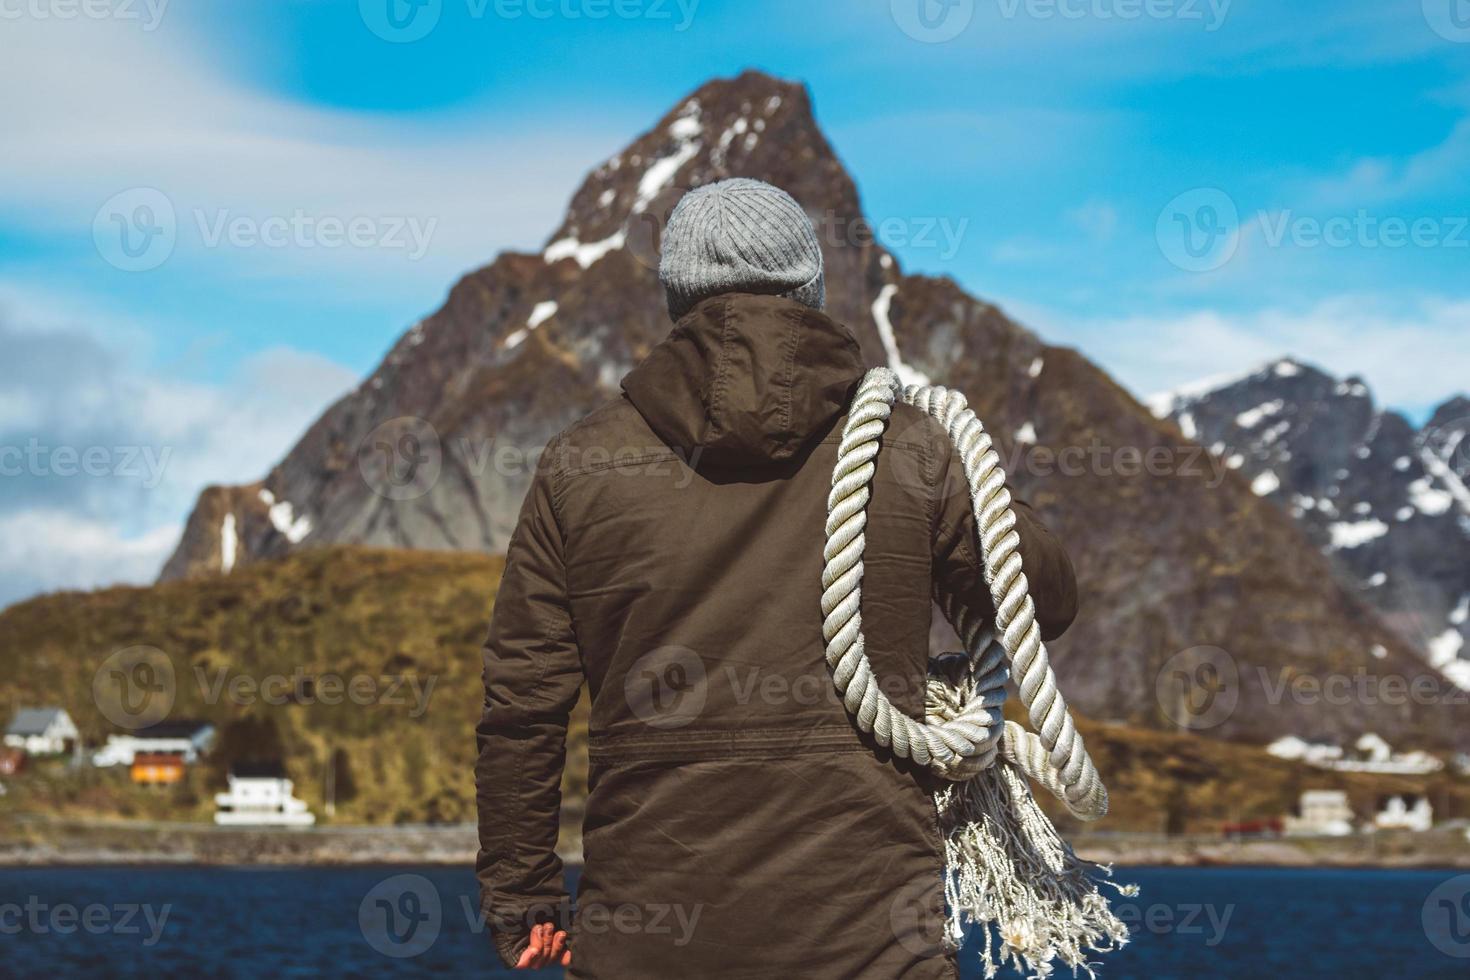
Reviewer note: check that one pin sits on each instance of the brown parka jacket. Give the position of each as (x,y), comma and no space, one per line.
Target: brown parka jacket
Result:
(669,555)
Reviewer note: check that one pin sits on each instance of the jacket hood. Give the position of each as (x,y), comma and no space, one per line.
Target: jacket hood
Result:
(746,379)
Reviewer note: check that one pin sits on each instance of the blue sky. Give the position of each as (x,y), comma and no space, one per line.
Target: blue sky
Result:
(1072,143)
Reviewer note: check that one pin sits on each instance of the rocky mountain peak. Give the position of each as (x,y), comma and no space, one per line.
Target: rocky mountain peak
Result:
(1385,500)
(435,449)
(751,124)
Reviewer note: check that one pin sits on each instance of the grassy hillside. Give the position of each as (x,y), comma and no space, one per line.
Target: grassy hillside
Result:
(254,652)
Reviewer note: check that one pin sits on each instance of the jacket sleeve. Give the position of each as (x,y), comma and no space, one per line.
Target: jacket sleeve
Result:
(957,565)
(532,673)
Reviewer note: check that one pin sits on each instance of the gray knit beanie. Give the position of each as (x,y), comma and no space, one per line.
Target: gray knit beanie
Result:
(740,236)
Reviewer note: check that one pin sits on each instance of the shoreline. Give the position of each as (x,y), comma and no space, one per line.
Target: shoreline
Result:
(82,842)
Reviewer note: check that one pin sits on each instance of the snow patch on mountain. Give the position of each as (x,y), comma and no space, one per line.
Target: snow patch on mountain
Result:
(229,543)
(587,254)
(882,306)
(283,519)
(1355,534)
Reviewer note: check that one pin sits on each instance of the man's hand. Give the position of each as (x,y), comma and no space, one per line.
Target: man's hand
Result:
(548,947)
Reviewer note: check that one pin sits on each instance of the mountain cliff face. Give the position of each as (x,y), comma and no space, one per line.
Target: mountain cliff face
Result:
(1176,554)
(1385,501)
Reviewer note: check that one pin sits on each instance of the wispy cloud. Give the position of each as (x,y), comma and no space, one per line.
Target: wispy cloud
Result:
(1413,355)
(161,114)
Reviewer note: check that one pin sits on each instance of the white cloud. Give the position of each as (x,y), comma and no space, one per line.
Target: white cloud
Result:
(43,550)
(108,454)
(1098,219)
(1375,181)
(1412,355)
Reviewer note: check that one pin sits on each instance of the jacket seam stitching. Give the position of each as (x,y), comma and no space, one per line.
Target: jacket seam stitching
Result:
(717,390)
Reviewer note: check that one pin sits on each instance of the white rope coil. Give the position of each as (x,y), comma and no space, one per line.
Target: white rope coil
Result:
(965,693)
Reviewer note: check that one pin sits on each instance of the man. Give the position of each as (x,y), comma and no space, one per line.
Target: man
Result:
(669,555)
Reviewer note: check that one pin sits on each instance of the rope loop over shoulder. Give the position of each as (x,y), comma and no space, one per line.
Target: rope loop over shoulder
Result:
(964,732)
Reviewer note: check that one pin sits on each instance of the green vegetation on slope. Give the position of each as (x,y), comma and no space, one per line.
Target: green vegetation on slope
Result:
(257,653)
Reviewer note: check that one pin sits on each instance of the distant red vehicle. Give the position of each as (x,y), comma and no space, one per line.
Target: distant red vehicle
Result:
(1252,828)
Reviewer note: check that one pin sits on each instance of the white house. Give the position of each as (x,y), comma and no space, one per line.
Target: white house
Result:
(1408,812)
(1369,754)
(1324,812)
(187,739)
(260,795)
(43,731)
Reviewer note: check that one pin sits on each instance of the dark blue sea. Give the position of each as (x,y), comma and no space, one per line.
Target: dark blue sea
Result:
(214,922)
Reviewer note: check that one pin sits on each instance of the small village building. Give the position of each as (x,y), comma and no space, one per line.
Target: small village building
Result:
(1409,811)
(260,795)
(1324,812)
(43,731)
(157,770)
(188,740)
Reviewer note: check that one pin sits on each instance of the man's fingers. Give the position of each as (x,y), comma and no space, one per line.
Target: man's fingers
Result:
(532,957)
(524,963)
(547,945)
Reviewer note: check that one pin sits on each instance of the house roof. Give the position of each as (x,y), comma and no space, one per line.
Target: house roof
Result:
(33,721)
(258,770)
(173,729)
